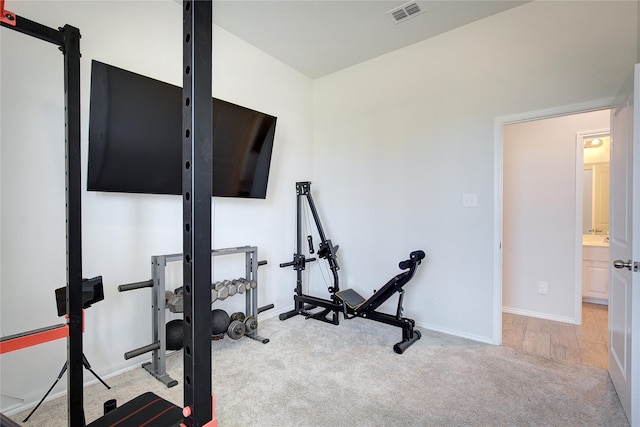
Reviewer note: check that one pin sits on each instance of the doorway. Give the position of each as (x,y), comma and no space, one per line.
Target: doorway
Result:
(541,279)
(594,177)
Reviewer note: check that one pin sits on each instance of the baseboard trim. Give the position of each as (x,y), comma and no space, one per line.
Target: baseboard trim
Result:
(539,315)
(594,300)
(472,337)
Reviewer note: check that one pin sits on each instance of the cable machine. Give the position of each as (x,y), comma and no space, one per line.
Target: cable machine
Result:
(348,302)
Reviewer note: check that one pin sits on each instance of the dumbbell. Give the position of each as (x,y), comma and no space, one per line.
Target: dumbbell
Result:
(238,315)
(221,292)
(236,329)
(250,284)
(233,288)
(250,324)
(240,286)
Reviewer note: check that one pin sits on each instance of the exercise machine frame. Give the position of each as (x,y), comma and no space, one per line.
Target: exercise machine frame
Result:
(347,302)
(67,39)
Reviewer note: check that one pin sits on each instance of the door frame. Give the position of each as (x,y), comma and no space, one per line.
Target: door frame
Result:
(498,169)
(580,137)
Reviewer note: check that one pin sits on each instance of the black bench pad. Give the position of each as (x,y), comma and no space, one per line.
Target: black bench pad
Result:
(146,410)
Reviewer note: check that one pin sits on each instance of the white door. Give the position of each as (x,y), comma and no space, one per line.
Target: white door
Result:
(624,252)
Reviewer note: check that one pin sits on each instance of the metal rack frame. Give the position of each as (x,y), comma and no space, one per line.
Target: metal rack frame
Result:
(157,365)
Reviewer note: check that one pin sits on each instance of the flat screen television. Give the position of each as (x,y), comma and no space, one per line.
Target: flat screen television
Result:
(135,129)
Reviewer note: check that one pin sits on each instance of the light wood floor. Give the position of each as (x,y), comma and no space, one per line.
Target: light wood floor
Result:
(585,344)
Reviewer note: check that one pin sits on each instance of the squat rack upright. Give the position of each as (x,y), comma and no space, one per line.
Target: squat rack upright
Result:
(196,183)
(67,39)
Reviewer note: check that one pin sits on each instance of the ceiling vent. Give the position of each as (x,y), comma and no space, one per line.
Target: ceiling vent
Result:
(404,12)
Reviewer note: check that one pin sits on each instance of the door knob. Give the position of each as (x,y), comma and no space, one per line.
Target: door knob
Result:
(622,264)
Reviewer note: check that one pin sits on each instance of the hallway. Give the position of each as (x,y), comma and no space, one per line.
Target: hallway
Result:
(585,344)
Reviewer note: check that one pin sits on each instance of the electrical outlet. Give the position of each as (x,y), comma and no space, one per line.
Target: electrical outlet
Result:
(543,287)
(470,200)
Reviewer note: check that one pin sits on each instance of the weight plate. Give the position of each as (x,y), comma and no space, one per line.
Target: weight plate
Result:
(238,315)
(251,324)
(236,330)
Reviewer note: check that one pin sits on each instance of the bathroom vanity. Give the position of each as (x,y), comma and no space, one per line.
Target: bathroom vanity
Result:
(595,269)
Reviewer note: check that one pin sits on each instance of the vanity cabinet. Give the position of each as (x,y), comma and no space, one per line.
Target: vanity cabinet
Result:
(595,274)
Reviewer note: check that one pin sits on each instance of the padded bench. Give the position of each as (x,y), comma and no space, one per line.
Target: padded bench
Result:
(148,410)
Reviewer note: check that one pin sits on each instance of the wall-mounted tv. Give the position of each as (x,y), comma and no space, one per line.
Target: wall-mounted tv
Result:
(135,129)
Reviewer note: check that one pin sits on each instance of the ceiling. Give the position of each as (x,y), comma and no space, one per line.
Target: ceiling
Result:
(319,37)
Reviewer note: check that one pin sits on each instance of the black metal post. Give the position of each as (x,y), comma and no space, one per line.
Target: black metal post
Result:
(71,50)
(299,256)
(68,40)
(197,191)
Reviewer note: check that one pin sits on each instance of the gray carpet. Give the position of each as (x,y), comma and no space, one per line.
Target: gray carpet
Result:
(317,374)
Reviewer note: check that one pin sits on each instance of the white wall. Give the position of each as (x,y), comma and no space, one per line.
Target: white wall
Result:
(396,142)
(399,139)
(121,232)
(539,199)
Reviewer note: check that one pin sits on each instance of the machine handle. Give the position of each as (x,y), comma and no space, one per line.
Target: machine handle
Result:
(296,262)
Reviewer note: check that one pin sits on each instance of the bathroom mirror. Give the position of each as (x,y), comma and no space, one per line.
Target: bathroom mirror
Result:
(595,198)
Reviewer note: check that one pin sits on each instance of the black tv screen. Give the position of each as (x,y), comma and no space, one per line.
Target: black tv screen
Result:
(135,128)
